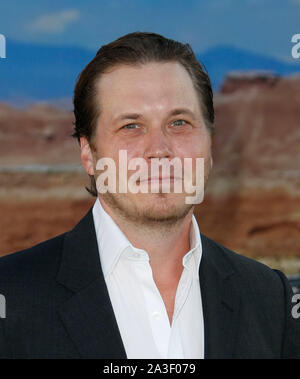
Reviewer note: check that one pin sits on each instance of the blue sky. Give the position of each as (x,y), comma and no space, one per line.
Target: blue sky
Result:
(262,26)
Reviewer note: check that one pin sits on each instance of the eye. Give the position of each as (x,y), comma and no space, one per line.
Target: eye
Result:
(129,126)
(179,123)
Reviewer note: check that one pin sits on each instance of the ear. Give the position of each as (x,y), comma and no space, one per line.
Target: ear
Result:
(211,162)
(87,160)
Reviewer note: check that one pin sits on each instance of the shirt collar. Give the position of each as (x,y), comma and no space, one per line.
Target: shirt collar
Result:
(112,242)
(196,246)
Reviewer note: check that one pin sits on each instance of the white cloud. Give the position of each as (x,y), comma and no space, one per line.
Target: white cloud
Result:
(54,23)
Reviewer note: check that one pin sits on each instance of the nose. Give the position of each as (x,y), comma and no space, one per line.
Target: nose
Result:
(157,145)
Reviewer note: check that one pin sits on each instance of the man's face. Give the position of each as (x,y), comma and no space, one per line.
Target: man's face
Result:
(151,111)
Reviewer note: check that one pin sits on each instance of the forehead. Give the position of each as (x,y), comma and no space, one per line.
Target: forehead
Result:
(149,87)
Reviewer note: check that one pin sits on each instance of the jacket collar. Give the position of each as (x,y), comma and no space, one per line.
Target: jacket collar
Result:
(88,315)
(220,300)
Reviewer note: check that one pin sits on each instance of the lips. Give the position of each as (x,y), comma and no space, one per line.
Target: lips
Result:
(160,179)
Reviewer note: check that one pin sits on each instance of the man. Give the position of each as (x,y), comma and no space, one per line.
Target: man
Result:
(135,278)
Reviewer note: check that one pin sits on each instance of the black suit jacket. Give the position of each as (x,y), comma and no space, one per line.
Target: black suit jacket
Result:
(58,304)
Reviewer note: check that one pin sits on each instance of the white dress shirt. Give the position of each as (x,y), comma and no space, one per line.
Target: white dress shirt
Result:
(137,303)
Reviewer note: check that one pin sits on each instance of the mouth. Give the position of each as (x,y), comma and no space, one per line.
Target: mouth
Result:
(160,179)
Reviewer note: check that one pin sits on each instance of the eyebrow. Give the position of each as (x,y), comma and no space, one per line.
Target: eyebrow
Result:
(174,112)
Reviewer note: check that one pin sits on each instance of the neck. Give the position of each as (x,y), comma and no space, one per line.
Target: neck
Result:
(166,244)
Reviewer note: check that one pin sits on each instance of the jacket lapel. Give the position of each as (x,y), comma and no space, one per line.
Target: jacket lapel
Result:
(88,315)
(220,301)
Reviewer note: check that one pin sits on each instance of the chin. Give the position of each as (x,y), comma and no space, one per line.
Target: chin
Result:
(162,207)
(148,208)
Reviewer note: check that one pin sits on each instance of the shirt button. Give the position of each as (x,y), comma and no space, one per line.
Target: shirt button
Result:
(156,315)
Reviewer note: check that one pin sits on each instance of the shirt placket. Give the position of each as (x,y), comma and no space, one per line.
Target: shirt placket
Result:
(183,289)
(157,314)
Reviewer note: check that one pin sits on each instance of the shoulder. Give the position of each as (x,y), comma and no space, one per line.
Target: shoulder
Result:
(29,265)
(253,274)
(265,297)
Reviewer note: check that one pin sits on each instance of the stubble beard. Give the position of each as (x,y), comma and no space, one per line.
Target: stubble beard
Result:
(160,212)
